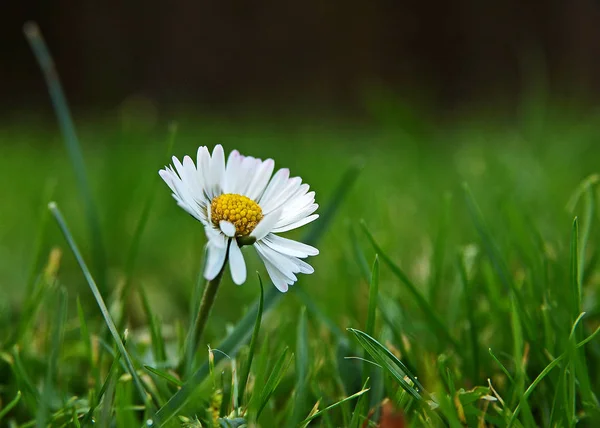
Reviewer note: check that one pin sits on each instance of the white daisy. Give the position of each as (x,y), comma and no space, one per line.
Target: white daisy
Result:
(239,203)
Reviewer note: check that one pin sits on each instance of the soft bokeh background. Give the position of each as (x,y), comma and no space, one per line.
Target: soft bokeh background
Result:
(424,95)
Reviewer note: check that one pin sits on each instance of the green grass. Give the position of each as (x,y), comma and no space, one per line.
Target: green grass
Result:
(457,278)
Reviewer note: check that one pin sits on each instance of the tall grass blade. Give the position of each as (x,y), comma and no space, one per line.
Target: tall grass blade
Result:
(432,317)
(103,309)
(470,311)
(51,369)
(143,220)
(279,370)
(302,366)
(376,393)
(6,409)
(382,356)
(245,373)
(158,343)
(61,108)
(334,405)
(358,415)
(545,372)
(112,372)
(166,376)
(243,330)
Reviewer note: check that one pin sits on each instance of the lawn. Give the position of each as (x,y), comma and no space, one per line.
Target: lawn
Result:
(450,260)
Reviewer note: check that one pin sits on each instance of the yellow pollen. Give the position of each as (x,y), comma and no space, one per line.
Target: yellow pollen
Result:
(239,210)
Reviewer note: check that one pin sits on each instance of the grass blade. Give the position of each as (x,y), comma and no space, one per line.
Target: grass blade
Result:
(302,364)
(243,330)
(245,373)
(389,362)
(470,310)
(373,293)
(112,372)
(376,393)
(103,309)
(326,409)
(166,376)
(545,372)
(65,121)
(358,412)
(4,411)
(279,370)
(427,309)
(142,221)
(158,344)
(51,370)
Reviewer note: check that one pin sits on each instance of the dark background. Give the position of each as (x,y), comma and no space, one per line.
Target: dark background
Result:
(269,53)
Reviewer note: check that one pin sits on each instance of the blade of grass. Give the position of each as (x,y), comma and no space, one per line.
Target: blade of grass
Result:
(495,256)
(243,330)
(305,422)
(580,372)
(103,309)
(6,409)
(245,373)
(376,393)
(574,270)
(389,362)
(279,370)
(470,310)
(61,108)
(158,344)
(432,317)
(502,367)
(302,364)
(358,412)
(143,220)
(439,249)
(166,376)
(87,341)
(51,369)
(112,372)
(545,372)
(38,247)
(359,256)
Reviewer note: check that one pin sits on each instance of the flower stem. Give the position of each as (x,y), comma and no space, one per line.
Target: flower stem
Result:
(208,299)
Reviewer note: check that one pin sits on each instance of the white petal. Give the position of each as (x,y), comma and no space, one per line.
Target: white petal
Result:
(260,180)
(167,177)
(217,171)
(295,225)
(276,276)
(283,263)
(215,236)
(246,173)
(289,247)
(275,185)
(203,167)
(237,265)
(227,228)
(214,260)
(265,225)
(293,216)
(191,177)
(233,165)
(280,196)
(279,279)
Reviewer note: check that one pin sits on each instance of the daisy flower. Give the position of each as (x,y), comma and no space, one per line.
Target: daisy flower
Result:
(241,202)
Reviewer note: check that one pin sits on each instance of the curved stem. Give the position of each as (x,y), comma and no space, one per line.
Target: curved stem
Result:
(208,299)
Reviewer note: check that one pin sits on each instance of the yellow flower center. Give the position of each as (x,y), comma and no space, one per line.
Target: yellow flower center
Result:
(243,212)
